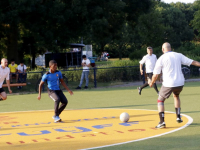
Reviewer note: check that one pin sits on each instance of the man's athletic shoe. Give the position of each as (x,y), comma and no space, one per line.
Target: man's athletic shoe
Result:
(78,87)
(179,120)
(139,90)
(57,119)
(161,125)
(86,87)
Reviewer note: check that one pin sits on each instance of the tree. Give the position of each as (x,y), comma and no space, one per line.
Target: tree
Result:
(177,29)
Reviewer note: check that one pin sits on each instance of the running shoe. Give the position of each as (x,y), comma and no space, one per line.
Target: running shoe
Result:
(57,119)
(179,120)
(161,125)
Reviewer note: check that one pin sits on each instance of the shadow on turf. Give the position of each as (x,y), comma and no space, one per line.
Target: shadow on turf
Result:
(126,106)
(194,125)
(191,112)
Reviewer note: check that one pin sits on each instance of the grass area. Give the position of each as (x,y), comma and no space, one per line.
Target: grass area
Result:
(115,62)
(187,138)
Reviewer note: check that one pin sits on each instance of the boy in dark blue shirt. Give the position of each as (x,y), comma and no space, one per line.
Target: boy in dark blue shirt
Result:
(53,78)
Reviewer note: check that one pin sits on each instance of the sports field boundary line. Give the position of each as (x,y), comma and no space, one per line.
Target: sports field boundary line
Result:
(190,120)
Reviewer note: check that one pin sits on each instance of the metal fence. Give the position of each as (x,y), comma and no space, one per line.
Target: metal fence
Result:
(100,77)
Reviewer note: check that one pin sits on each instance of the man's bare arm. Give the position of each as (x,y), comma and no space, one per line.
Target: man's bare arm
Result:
(195,63)
(40,89)
(154,78)
(8,84)
(141,70)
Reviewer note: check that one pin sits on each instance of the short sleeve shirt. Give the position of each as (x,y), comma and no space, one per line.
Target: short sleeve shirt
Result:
(87,61)
(150,61)
(170,65)
(21,68)
(53,80)
(12,68)
(4,73)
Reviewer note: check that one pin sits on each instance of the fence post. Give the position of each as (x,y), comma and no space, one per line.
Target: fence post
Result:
(95,81)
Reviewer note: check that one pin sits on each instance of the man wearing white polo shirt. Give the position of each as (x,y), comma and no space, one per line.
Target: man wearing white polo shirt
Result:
(173,80)
(22,72)
(4,74)
(150,61)
(85,74)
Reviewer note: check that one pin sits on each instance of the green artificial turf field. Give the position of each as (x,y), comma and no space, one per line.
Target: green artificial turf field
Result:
(128,98)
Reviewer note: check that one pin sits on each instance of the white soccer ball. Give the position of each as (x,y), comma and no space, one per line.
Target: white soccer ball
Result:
(124,117)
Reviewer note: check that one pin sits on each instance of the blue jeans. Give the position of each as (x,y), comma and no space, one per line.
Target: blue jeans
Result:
(22,77)
(85,75)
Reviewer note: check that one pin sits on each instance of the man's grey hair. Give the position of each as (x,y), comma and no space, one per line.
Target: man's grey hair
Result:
(149,47)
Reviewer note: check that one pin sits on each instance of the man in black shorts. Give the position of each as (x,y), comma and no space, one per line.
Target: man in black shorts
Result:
(150,61)
(53,78)
(173,80)
(4,74)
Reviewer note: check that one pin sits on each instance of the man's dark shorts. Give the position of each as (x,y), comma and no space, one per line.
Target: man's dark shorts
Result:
(165,92)
(150,75)
(2,90)
(13,74)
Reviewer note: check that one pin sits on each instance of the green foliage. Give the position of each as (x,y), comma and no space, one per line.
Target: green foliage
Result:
(138,54)
(119,27)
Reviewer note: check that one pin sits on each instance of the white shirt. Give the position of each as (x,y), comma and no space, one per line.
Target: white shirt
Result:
(21,68)
(87,61)
(170,64)
(4,73)
(150,61)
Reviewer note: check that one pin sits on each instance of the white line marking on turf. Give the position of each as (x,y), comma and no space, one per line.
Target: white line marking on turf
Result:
(190,120)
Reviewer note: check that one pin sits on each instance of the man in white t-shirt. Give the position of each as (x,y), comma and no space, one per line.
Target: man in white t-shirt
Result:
(22,72)
(150,61)
(173,80)
(86,64)
(4,74)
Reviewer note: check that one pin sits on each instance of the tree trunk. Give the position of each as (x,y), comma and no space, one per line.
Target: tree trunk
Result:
(33,58)
(12,45)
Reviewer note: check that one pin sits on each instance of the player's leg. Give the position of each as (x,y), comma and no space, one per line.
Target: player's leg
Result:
(150,75)
(177,103)
(53,95)
(81,81)
(3,95)
(86,79)
(143,86)
(63,101)
(165,92)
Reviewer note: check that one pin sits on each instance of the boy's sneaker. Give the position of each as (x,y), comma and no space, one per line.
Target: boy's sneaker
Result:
(179,120)
(161,125)
(139,90)
(78,87)
(57,119)
(86,87)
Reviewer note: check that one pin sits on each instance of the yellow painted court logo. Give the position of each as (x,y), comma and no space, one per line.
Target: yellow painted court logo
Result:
(81,129)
